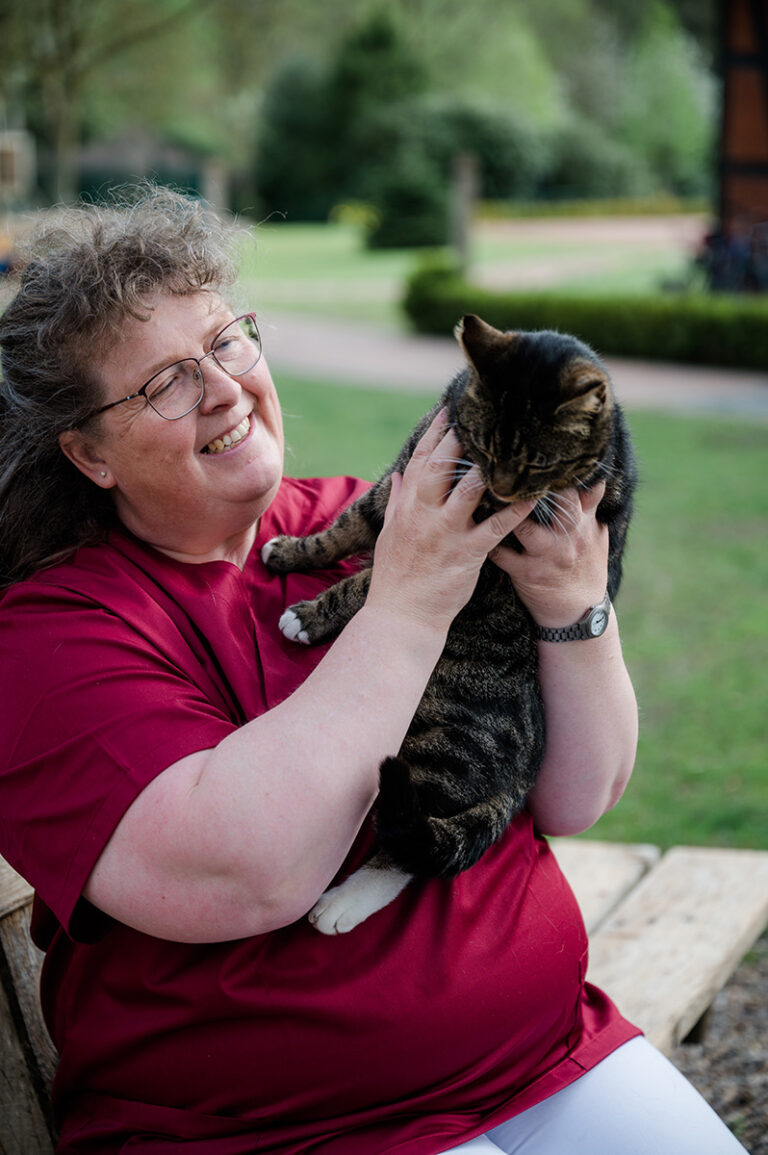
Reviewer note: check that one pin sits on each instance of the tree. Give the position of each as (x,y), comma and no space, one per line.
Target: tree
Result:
(373,70)
(54,48)
(295,168)
(667,113)
(318,141)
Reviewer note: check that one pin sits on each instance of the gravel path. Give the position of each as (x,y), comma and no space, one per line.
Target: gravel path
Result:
(730,1067)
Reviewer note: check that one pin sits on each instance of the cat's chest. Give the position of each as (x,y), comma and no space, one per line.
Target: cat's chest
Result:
(494,613)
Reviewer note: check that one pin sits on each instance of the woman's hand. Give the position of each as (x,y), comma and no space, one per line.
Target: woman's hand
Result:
(589,703)
(430,550)
(564,567)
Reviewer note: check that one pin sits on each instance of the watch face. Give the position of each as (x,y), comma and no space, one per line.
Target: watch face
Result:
(598,623)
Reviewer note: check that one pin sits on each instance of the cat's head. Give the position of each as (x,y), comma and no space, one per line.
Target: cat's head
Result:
(536,410)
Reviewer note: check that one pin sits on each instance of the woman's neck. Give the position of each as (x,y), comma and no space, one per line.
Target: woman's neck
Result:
(234,549)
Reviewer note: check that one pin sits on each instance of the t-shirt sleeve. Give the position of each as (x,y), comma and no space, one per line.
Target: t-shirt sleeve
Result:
(93,708)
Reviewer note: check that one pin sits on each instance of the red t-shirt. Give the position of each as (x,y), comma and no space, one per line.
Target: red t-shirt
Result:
(460,1004)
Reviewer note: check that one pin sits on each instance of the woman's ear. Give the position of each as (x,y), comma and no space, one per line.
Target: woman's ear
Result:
(85,456)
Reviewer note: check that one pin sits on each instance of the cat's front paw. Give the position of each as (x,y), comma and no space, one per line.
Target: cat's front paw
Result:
(279,554)
(308,622)
(292,627)
(344,907)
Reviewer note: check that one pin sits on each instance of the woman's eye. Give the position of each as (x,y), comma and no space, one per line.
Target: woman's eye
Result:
(164,387)
(229,347)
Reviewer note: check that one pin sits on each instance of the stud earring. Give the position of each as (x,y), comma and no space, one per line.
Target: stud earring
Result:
(103,473)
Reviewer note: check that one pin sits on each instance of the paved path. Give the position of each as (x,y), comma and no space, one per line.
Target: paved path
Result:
(352,353)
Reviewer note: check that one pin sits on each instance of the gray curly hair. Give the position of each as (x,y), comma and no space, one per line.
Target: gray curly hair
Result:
(90,269)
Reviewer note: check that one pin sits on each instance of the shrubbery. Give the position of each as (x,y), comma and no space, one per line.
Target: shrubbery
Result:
(696,328)
(373,124)
(363,129)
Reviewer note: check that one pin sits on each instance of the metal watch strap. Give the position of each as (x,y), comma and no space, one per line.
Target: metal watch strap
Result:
(583,628)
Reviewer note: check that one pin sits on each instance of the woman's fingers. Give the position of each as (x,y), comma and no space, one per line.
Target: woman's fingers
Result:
(489,533)
(591,498)
(429,440)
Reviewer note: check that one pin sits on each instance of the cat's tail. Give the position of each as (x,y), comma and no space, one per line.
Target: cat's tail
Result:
(431,846)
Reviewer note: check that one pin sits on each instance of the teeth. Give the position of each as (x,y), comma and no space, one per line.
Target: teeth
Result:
(229,439)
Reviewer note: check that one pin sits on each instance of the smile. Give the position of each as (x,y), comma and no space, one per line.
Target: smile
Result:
(229,440)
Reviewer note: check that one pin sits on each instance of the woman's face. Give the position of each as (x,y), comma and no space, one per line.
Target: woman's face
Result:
(172,487)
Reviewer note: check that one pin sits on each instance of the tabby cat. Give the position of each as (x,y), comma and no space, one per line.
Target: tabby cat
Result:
(535,412)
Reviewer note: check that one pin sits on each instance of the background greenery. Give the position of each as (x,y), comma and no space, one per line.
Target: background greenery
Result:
(692,606)
(307,103)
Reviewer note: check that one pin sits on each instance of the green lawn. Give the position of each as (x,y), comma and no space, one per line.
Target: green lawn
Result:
(693,607)
(326,269)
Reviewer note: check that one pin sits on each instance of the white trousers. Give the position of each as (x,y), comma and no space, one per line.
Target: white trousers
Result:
(635,1102)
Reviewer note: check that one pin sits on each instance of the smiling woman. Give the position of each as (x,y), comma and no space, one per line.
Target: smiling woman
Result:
(192,457)
(88,273)
(180,784)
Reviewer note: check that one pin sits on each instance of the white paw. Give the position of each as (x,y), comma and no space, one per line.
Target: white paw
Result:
(266,550)
(344,907)
(290,625)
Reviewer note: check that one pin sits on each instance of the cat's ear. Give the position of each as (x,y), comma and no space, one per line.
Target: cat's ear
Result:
(590,398)
(482,344)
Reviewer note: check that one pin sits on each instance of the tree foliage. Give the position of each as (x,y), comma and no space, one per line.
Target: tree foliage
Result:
(315,102)
(55,48)
(668,107)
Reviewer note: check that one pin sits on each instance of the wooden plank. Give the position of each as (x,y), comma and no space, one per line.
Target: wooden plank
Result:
(677,937)
(27,1055)
(601,874)
(14,891)
(22,963)
(23,1127)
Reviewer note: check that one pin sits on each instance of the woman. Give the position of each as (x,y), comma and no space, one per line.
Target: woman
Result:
(180,783)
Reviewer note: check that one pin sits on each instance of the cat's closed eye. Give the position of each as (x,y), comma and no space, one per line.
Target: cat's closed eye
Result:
(540,461)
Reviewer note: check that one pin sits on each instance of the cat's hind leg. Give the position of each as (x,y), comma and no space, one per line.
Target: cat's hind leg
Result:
(369,889)
(324,616)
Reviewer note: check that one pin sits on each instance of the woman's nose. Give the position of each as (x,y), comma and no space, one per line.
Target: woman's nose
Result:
(220,388)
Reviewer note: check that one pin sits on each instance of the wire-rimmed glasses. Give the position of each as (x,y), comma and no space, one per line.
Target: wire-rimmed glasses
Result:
(178,389)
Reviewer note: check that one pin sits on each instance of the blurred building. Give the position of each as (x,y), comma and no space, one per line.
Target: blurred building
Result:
(737,250)
(17,167)
(139,154)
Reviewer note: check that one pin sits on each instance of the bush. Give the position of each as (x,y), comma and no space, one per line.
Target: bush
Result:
(406,165)
(295,161)
(693,328)
(510,156)
(586,162)
(412,206)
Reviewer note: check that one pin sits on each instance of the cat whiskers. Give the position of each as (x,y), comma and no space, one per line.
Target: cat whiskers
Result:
(557,513)
(458,467)
(606,473)
(455,461)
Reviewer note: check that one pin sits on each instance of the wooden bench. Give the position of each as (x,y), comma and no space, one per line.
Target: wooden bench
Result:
(666,932)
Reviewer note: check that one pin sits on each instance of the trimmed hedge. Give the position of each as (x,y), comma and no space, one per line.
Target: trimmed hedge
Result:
(695,328)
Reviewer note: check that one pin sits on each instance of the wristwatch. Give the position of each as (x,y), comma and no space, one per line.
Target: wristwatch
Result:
(592,625)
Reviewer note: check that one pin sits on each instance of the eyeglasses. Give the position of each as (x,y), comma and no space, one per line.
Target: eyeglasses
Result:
(178,389)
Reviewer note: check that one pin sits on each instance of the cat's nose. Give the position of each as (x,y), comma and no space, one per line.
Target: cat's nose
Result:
(504,498)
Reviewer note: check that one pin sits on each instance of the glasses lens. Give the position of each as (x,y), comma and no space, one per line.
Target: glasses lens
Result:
(238,347)
(176,390)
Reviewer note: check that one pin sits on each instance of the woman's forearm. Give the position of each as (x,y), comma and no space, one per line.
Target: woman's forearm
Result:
(591,732)
(243,838)
(307,772)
